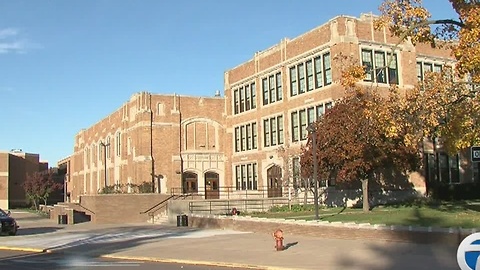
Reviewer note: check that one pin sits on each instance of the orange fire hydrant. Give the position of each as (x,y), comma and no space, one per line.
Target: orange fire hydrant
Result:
(278,236)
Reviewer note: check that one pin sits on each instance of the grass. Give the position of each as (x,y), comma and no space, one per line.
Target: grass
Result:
(31,210)
(465,214)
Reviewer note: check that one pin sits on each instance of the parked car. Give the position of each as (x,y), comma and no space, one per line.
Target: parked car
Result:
(8,225)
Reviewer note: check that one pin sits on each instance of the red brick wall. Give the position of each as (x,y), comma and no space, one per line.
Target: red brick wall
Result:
(122,208)
(205,125)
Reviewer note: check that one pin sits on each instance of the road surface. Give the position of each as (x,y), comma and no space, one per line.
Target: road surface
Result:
(18,260)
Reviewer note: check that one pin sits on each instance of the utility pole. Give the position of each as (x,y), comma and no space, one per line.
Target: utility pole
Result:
(313,132)
(104,145)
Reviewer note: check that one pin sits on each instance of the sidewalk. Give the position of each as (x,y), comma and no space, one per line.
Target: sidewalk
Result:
(303,253)
(229,248)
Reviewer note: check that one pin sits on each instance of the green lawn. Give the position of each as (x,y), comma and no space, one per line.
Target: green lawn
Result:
(436,214)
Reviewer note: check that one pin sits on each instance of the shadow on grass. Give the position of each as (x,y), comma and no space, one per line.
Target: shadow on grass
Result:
(334,214)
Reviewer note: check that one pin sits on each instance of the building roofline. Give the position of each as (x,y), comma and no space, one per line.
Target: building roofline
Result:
(149,93)
(277,46)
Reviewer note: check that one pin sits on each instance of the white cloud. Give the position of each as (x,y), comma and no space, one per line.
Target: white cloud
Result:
(8,32)
(11,42)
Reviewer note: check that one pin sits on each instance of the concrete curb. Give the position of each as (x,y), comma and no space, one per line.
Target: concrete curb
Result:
(35,250)
(353,225)
(193,262)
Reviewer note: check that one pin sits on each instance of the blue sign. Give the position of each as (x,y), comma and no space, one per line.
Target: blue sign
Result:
(468,253)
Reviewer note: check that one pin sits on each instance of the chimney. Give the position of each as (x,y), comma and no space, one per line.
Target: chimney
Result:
(217,93)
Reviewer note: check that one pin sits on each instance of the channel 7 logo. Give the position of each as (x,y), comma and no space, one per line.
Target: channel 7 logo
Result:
(468,253)
(475,153)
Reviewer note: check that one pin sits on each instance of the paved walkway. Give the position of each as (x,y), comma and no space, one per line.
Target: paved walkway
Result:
(224,247)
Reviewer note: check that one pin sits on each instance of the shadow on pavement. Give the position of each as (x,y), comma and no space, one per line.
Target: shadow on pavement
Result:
(403,254)
(104,241)
(289,245)
(38,230)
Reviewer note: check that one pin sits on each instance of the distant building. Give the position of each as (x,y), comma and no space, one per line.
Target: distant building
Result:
(64,169)
(15,165)
(221,146)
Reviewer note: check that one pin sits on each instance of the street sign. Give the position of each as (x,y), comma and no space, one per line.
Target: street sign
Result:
(475,153)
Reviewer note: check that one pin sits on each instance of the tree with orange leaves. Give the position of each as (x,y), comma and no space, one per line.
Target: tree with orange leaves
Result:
(357,139)
(409,19)
(446,104)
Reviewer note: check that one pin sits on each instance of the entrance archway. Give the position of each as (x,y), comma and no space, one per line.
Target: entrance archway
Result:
(274,181)
(212,185)
(190,182)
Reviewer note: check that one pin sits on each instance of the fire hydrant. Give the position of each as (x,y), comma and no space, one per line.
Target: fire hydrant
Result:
(278,236)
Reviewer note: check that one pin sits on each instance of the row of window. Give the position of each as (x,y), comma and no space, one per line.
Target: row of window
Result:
(302,118)
(105,146)
(424,67)
(272,88)
(380,67)
(245,136)
(306,76)
(246,176)
(244,98)
(311,74)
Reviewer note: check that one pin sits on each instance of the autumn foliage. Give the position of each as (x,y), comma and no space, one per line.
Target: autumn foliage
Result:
(409,19)
(39,186)
(358,138)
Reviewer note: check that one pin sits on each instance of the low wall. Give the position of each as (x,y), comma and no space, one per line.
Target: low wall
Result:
(122,208)
(333,197)
(335,230)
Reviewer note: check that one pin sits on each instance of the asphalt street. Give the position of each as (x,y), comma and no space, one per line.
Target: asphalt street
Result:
(18,260)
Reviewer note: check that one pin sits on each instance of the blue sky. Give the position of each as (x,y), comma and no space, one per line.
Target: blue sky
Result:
(64,65)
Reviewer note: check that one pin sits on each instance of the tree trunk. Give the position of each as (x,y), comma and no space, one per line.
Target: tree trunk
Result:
(366,205)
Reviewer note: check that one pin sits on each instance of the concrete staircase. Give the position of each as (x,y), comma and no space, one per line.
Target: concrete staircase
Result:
(159,219)
(75,212)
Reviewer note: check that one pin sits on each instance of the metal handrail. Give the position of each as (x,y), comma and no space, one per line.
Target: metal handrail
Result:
(227,190)
(156,205)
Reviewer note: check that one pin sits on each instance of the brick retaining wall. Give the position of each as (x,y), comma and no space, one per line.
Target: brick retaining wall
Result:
(336,230)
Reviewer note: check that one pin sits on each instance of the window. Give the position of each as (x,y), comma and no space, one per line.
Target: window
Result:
(244,98)
(85,155)
(302,118)
(246,177)
(245,137)
(107,147)
(236,101)
(444,169)
(273,131)
(311,74)
(293,81)
(118,144)
(424,67)
(301,78)
(297,180)
(309,66)
(380,66)
(100,151)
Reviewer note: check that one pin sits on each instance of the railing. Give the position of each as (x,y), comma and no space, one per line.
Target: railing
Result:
(232,192)
(156,205)
(84,208)
(225,206)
